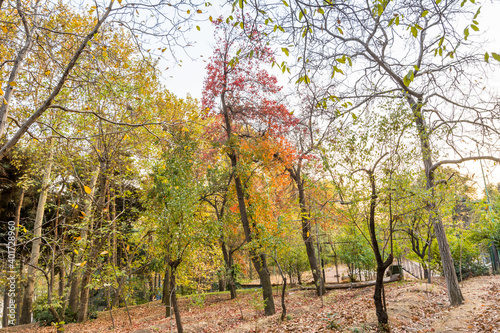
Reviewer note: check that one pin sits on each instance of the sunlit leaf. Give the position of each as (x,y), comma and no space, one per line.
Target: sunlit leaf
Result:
(87,189)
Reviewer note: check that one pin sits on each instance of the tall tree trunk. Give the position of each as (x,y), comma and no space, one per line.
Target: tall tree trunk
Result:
(75,276)
(496,260)
(454,293)
(35,248)
(97,241)
(229,270)
(73,292)
(116,300)
(378,296)
(382,317)
(258,260)
(166,290)
(62,277)
(86,278)
(5,312)
(307,236)
(173,297)
(20,293)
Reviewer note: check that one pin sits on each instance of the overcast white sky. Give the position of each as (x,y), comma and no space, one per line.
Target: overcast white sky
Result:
(188,77)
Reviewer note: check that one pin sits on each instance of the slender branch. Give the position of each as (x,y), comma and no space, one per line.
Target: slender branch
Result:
(461,160)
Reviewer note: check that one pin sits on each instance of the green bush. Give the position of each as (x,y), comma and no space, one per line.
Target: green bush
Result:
(464,250)
(42,314)
(470,269)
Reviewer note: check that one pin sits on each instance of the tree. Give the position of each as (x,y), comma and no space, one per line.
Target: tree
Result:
(175,203)
(306,137)
(365,166)
(246,95)
(217,195)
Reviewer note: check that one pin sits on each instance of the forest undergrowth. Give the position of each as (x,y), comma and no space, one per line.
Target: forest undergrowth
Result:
(413,306)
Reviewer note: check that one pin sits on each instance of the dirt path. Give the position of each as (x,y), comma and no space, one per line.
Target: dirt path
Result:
(430,312)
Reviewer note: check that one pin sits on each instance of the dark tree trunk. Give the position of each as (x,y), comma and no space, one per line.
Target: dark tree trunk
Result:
(426,272)
(5,318)
(86,278)
(20,293)
(283,304)
(73,293)
(222,283)
(232,276)
(62,276)
(116,300)
(173,293)
(378,296)
(166,292)
(229,270)
(307,236)
(496,261)
(84,297)
(380,309)
(258,260)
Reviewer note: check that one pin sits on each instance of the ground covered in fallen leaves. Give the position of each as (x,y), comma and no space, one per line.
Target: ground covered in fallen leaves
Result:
(413,306)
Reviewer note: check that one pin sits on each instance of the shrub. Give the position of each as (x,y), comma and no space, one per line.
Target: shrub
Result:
(42,314)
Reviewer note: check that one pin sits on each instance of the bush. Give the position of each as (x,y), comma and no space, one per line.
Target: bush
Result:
(470,269)
(42,314)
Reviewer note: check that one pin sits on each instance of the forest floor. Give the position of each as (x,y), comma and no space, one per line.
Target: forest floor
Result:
(413,306)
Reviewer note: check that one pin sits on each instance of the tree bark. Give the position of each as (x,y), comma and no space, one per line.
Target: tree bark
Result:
(307,236)
(454,293)
(166,290)
(222,283)
(35,249)
(173,293)
(229,270)
(5,319)
(20,294)
(75,276)
(62,276)
(258,260)
(496,261)
(73,293)
(97,241)
(86,278)
(380,309)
